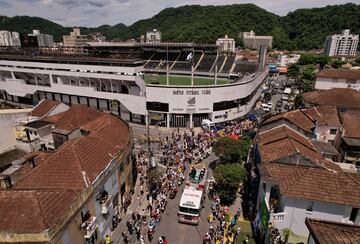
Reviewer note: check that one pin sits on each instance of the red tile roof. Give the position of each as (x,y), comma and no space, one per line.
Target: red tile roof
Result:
(306,119)
(282,142)
(29,211)
(351,124)
(330,232)
(349,74)
(75,117)
(315,184)
(43,108)
(339,97)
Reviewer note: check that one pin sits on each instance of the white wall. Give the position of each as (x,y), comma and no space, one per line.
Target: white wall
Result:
(7,123)
(296,213)
(323,83)
(323,133)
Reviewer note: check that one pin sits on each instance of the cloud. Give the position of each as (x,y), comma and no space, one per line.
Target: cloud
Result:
(99,12)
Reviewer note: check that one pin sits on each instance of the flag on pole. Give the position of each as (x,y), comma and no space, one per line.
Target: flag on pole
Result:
(189,56)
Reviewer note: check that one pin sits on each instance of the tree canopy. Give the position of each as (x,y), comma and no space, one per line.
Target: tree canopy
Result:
(231,150)
(228,178)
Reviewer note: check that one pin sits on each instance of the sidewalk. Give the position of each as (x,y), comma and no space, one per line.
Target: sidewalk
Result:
(135,206)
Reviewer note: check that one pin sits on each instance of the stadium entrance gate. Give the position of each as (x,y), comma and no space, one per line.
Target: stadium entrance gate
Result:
(197,118)
(179,120)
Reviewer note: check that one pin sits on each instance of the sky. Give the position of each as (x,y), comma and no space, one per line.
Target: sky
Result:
(93,13)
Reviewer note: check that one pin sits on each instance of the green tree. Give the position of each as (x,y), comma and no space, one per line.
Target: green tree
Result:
(231,150)
(294,71)
(228,178)
(336,64)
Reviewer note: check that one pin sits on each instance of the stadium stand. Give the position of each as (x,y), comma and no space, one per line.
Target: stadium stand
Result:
(206,62)
(182,64)
(228,64)
(219,63)
(245,67)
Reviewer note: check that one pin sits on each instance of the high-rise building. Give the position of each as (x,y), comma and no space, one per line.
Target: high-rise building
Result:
(226,44)
(252,41)
(153,36)
(8,38)
(344,44)
(43,40)
(75,39)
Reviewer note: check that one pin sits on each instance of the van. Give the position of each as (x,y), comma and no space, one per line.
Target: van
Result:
(207,125)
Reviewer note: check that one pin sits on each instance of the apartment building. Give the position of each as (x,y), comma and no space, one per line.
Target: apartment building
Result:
(344,44)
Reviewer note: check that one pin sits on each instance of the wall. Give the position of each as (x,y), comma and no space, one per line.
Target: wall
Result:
(296,213)
(323,133)
(323,83)
(7,122)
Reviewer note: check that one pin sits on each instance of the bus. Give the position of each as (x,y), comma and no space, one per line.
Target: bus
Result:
(191,202)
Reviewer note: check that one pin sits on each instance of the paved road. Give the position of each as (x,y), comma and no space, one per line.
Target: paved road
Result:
(182,233)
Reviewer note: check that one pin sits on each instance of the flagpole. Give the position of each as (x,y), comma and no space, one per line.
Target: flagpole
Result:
(216,67)
(167,65)
(192,67)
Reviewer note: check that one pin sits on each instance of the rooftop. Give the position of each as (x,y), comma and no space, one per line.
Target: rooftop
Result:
(7,157)
(330,232)
(316,184)
(75,117)
(43,108)
(324,147)
(348,74)
(339,97)
(37,124)
(351,123)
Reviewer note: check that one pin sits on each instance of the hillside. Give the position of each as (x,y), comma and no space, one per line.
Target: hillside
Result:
(301,29)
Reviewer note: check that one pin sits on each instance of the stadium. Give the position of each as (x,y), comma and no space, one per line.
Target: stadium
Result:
(169,84)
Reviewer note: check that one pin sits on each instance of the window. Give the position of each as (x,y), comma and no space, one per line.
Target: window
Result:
(331,142)
(35,133)
(354,216)
(310,206)
(333,131)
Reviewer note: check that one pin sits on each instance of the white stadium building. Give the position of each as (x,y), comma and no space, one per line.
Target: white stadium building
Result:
(130,80)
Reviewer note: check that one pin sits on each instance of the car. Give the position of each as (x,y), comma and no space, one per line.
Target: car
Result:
(270,103)
(266,109)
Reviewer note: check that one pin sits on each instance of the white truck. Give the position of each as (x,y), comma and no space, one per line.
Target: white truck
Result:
(191,202)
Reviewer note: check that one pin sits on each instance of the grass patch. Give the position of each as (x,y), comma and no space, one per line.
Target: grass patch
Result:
(245,229)
(182,80)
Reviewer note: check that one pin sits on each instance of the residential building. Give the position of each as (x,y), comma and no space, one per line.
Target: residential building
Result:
(337,78)
(285,60)
(226,44)
(254,42)
(8,38)
(350,137)
(153,36)
(70,195)
(295,183)
(344,44)
(75,39)
(43,40)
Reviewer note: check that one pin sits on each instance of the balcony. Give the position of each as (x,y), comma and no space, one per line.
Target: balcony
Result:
(105,204)
(89,227)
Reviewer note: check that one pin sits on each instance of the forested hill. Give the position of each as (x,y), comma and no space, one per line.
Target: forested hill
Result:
(301,29)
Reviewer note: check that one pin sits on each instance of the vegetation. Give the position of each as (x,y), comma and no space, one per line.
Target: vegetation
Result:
(301,29)
(228,178)
(231,150)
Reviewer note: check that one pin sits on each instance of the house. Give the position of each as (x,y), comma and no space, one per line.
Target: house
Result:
(337,78)
(296,182)
(350,138)
(331,232)
(70,194)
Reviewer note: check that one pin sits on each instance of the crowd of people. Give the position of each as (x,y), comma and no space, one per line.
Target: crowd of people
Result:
(178,152)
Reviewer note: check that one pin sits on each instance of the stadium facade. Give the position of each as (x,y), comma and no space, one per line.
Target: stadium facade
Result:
(113,78)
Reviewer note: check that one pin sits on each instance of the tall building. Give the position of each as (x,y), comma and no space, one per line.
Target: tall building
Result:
(75,39)
(252,41)
(226,44)
(8,38)
(344,44)
(43,40)
(153,36)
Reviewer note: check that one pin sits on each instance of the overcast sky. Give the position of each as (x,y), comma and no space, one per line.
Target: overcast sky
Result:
(97,12)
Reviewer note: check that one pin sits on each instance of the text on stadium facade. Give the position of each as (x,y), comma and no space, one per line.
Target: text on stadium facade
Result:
(202,92)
